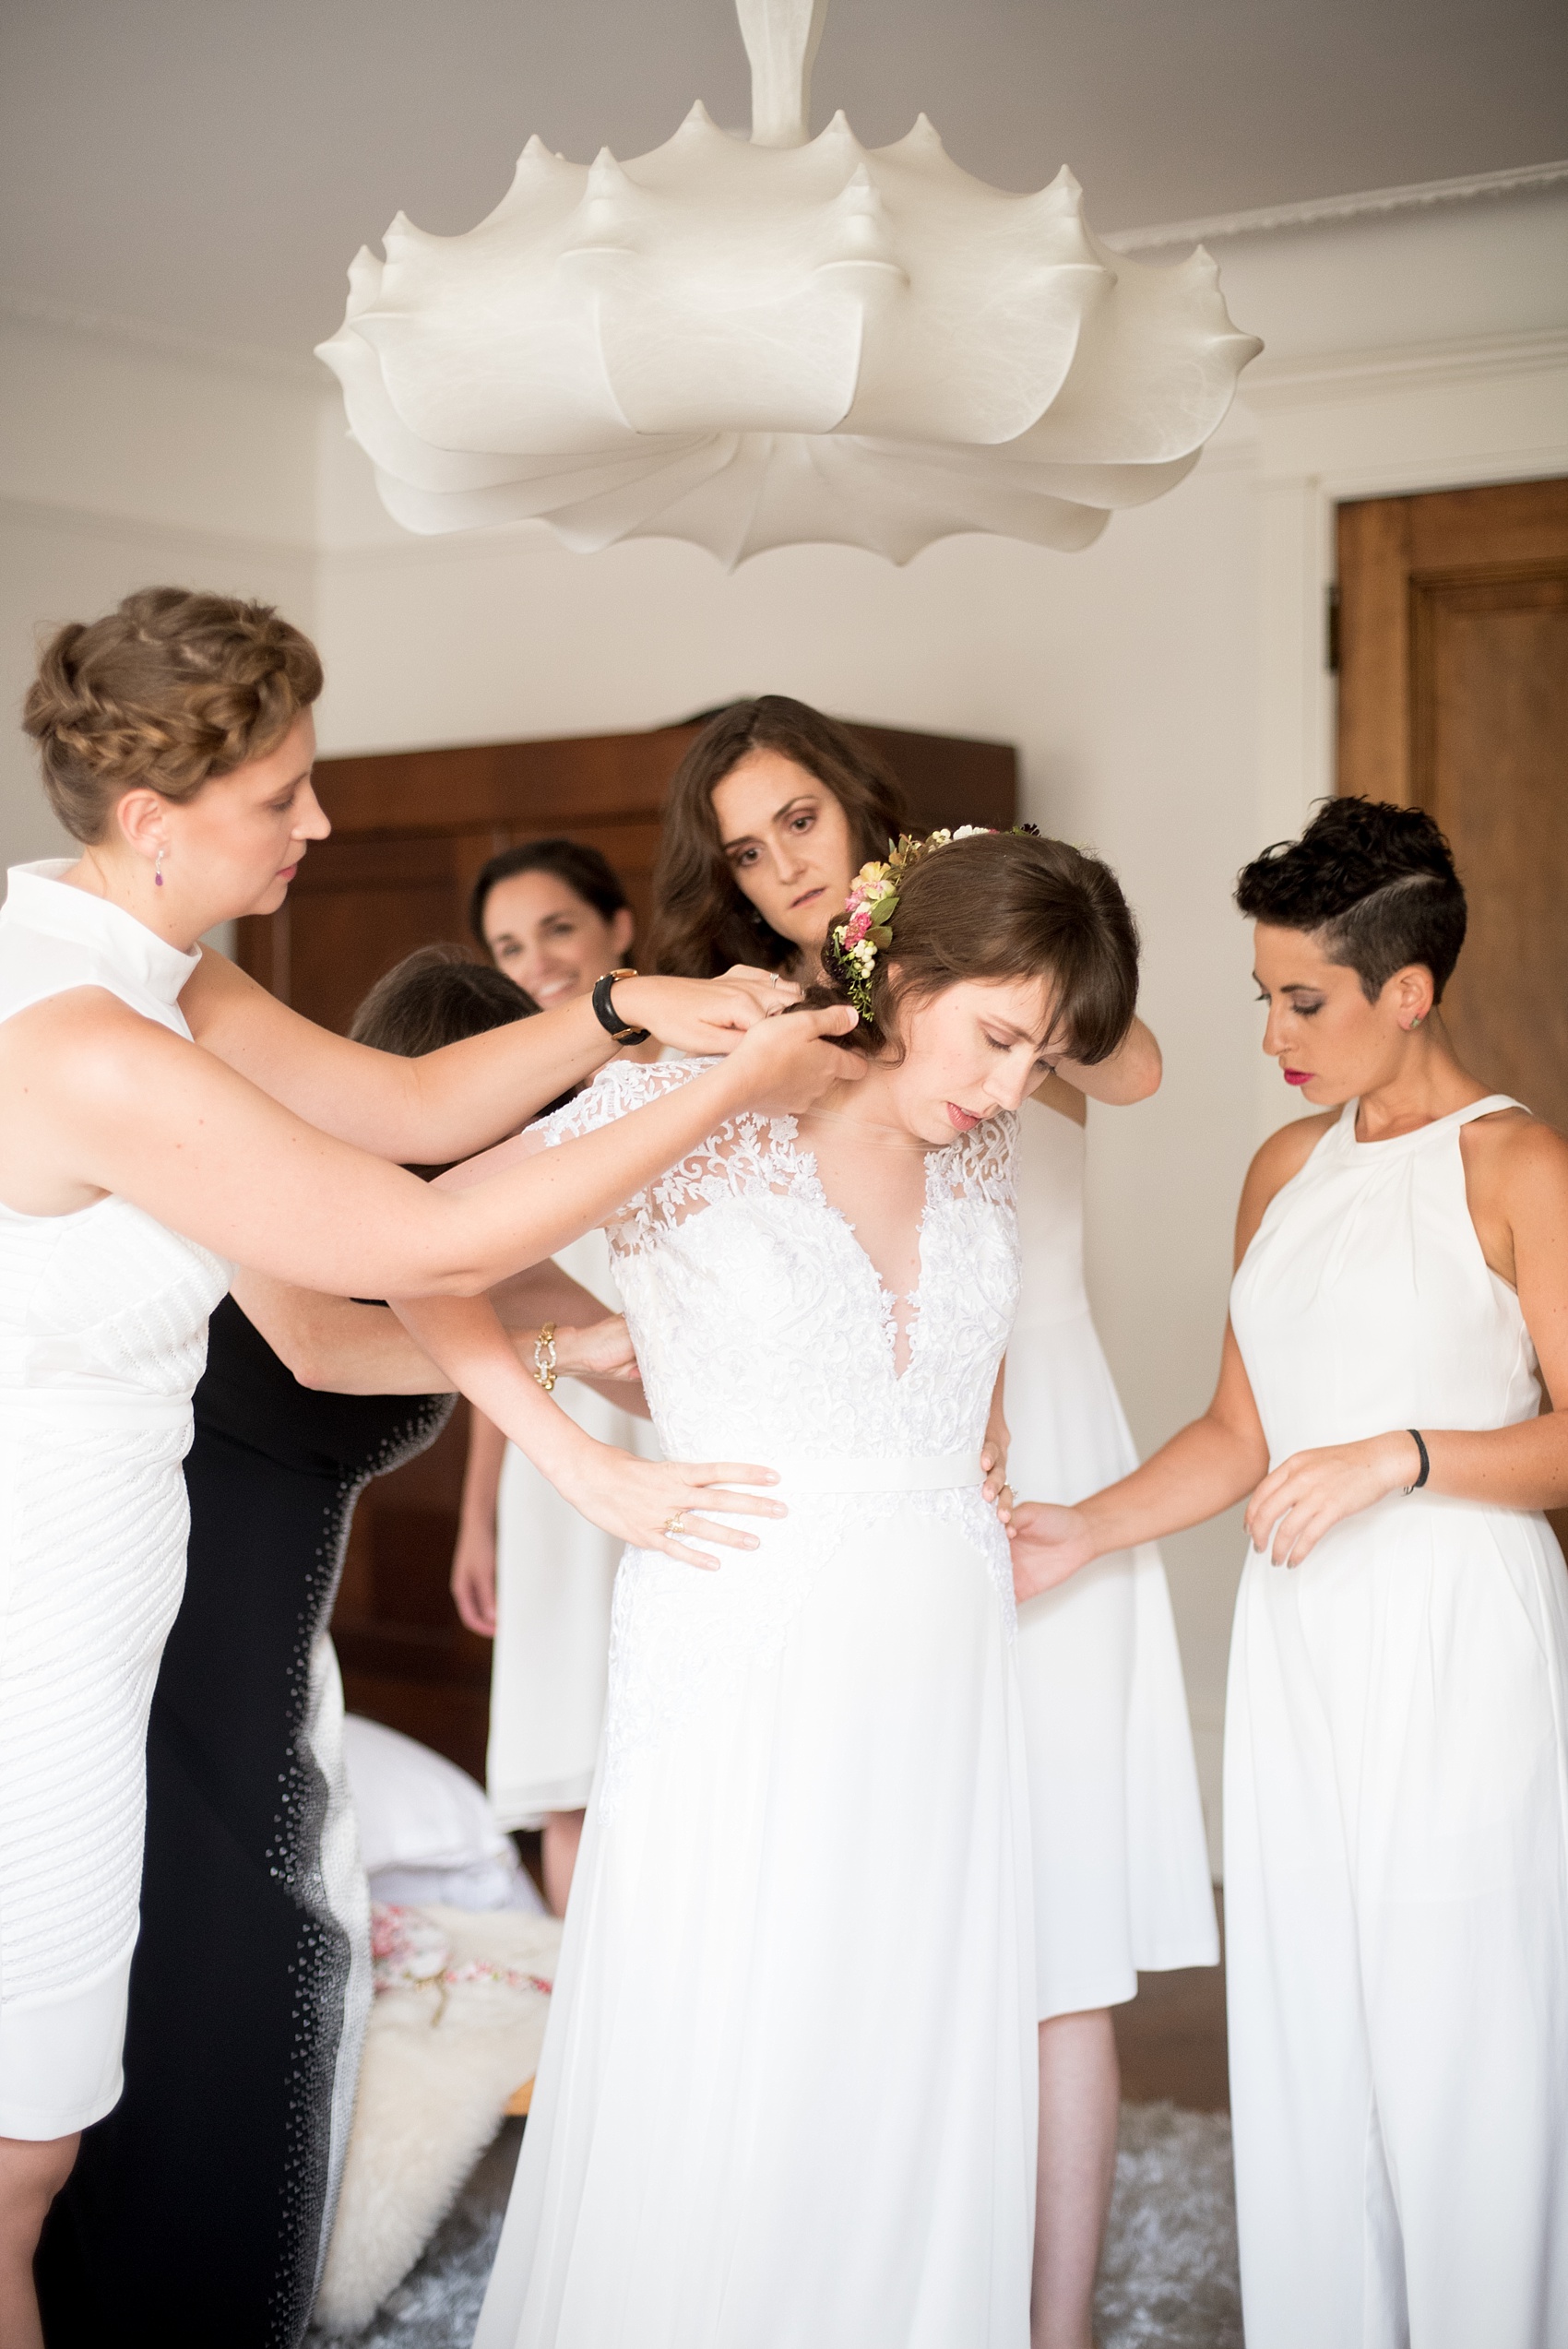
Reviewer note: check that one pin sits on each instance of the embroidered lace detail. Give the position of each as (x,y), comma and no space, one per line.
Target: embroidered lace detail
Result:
(766,1335)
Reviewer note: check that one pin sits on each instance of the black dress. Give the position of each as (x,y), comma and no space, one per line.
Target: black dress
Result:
(196,2216)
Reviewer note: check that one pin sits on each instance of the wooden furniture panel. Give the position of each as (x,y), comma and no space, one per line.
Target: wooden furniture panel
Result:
(411,831)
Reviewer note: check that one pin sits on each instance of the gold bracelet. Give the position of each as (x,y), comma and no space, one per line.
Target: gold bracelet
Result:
(544,1358)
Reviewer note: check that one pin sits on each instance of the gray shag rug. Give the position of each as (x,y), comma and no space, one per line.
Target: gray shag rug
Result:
(1168,2280)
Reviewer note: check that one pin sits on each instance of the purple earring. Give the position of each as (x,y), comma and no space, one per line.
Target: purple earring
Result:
(157,871)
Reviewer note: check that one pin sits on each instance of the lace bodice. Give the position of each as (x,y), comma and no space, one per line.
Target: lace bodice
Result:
(766,1335)
(759,1320)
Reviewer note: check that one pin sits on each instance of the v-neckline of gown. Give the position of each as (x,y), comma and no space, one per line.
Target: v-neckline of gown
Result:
(886,1300)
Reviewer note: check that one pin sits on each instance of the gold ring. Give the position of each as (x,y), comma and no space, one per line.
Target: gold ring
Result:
(676,1525)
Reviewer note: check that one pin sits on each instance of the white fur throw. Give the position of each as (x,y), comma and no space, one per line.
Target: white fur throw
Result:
(434,2085)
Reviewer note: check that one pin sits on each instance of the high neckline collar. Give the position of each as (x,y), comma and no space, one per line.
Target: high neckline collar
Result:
(37,894)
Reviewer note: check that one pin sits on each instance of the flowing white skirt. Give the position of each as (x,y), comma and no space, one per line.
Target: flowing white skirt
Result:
(1121,1863)
(786,2094)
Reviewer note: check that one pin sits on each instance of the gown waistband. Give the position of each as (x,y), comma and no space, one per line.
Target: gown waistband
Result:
(881,1473)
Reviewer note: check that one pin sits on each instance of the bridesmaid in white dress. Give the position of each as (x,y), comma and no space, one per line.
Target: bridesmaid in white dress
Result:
(773,809)
(1396,1731)
(529,1571)
(166,1116)
(786,2094)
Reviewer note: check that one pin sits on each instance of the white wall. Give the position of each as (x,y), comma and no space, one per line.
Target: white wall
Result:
(1165,688)
(126,462)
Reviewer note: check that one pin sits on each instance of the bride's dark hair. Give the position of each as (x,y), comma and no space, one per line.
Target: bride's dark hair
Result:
(1009,905)
(702,921)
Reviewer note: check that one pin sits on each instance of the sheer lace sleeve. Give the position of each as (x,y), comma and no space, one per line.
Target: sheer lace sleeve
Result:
(618,1090)
(615,1092)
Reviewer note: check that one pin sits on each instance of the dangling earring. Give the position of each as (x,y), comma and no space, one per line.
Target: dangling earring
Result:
(157,871)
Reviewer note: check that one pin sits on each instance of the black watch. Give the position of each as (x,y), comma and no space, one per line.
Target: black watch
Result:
(604,1009)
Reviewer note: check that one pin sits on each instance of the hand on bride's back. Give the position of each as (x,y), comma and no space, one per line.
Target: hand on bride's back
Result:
(791,1062)
(1049,1545)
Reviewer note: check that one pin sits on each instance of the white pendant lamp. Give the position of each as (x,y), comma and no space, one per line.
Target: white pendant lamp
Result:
(756,346)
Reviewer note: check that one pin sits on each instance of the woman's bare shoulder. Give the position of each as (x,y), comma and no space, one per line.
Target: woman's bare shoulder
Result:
(1279,1161)
(1510,1150)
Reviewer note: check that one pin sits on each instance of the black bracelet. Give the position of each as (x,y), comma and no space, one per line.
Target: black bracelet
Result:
(604,1011)
(1415,1435)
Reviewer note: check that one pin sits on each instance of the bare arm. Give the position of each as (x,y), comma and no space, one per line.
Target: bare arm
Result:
(474,1558)
(635,1499)
(114,1103)
(1205,1468)
(1132,1072)
(345,1348)
(454,1101)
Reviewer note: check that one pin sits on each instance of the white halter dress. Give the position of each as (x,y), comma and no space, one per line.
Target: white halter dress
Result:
(787,2091)
(102,1338)
(1121,1863)
(1397,1799)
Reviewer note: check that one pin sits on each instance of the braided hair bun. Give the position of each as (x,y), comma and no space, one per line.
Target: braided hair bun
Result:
(170,689)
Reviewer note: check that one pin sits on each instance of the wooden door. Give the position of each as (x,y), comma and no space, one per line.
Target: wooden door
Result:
(409,831)
(1453,696)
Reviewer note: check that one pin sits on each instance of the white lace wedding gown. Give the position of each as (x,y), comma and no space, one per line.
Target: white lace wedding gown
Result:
(787,2095)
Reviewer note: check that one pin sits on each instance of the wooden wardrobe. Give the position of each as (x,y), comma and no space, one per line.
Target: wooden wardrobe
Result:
(409,831)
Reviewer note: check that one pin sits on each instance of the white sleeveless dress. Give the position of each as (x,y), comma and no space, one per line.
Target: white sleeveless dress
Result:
(554,1573)
(1121,1864)
(1397,1799)
(787,2091)
(102,1338)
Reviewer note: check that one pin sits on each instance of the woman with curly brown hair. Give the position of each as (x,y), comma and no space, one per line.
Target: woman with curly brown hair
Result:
(1397,1723)
(166,1117)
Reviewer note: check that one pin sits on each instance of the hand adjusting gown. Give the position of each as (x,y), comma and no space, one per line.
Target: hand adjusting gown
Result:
(102,1338)
(786,2094)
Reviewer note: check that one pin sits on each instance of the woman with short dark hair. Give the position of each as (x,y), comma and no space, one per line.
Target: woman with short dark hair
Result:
(1396,1730)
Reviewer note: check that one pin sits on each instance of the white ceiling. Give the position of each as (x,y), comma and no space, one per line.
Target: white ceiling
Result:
(211,165)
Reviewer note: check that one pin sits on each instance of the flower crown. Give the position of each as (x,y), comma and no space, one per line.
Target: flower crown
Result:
(851,949)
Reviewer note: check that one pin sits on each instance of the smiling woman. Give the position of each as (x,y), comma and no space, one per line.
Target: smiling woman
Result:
(553,915)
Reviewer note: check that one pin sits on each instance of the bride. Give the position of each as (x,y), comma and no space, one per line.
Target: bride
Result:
(787,2096)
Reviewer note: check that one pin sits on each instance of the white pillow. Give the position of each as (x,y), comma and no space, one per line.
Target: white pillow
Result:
(487,1884)
(416,1808)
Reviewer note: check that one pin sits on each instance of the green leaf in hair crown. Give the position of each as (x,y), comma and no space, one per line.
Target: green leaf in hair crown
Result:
(852,945)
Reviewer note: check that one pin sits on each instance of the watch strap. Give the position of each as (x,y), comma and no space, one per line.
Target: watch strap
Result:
(605,1014)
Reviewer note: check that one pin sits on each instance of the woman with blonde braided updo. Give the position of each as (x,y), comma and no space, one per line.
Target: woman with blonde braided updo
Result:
(167,1117)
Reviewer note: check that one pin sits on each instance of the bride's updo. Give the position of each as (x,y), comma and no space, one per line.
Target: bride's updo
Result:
(168,690)
(1008,905)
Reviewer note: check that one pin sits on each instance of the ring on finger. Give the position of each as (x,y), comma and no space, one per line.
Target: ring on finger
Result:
(675,1524)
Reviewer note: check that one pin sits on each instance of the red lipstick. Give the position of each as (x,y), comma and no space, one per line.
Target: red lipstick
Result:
(1297,1076)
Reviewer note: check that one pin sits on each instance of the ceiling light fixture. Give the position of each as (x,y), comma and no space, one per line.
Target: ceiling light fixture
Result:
(793,340)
